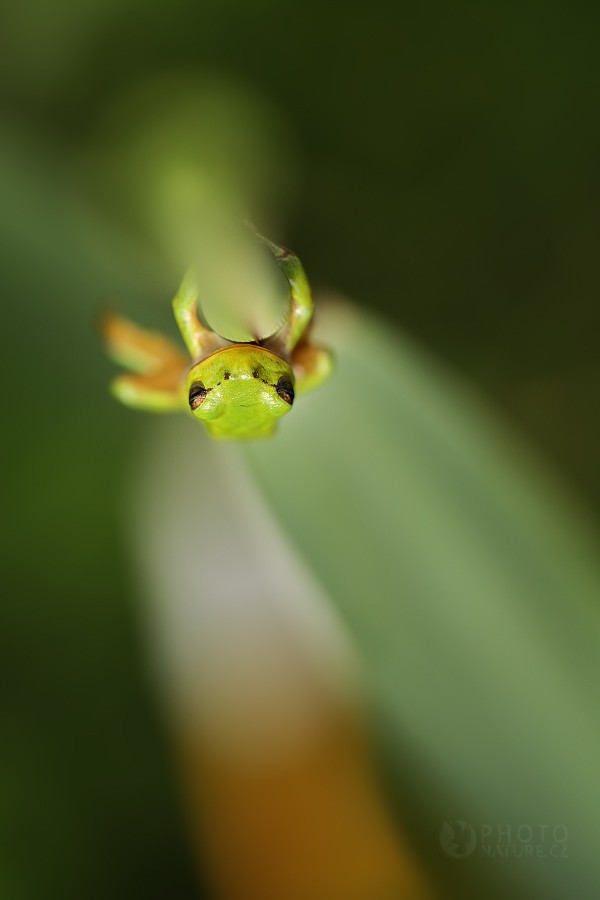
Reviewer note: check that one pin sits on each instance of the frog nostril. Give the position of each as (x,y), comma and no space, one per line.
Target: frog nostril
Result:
(255,373)
(226,375)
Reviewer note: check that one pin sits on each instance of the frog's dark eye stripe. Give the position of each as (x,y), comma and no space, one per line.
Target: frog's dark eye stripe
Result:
(285,389)
(197,394)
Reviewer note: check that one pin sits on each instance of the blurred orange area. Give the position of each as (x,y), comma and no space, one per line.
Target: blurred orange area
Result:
(308,825)
(264,695)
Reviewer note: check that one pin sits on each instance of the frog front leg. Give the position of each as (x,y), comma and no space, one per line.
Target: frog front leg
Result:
(301,308)
(199,339)
(312,365)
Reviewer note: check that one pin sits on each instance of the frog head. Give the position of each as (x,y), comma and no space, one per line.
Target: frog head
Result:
(240,391)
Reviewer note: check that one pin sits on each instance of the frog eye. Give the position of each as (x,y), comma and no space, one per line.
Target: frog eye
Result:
(197,394)
(285,389)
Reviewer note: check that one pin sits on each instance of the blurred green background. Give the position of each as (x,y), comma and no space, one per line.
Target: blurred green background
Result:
(440,165)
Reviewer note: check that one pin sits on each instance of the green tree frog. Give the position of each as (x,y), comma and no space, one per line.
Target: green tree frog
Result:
(238,390)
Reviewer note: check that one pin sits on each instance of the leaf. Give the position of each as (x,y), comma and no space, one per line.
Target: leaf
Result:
(469,581)
(404,527)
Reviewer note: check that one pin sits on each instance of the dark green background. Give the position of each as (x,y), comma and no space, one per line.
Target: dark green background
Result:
(448,157)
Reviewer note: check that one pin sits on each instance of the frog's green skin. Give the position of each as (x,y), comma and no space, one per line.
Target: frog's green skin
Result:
(239,390)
